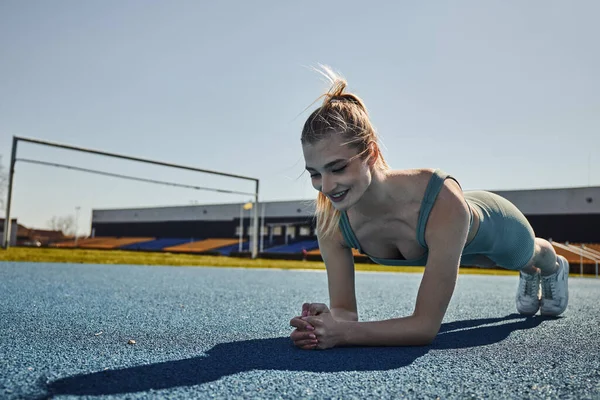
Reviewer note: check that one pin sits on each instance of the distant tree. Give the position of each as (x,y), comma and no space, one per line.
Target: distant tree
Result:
(66,225)
(3,187)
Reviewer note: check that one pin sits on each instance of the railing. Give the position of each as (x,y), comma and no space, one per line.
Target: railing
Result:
(594,255)
(590,250)
(582,253)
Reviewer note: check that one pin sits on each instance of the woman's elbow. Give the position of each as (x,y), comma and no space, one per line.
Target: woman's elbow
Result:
(427,335)
(427,338)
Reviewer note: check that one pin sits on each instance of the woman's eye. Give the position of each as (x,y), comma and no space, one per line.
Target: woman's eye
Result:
(339,169)
(315,175)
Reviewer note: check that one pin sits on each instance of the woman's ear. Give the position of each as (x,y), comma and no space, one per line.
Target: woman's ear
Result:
(373,154)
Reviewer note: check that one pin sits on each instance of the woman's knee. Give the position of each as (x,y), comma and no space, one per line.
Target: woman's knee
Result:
(544,254)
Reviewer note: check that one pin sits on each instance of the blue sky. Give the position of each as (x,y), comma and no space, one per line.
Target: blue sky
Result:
(501,94)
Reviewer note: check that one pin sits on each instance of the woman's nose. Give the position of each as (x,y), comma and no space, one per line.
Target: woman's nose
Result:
(327,184)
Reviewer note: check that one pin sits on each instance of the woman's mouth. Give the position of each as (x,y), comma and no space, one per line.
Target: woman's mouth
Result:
(339,196)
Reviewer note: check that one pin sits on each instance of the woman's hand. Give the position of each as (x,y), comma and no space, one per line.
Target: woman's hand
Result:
(303,336)
(315,328)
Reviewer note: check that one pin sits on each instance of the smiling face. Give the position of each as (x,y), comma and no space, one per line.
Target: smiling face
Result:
(337,171)
(342,154)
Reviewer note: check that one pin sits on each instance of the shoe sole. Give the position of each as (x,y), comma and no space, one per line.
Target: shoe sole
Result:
(528,314)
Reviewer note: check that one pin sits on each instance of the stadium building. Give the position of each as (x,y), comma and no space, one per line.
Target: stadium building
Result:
(286,227)
(563,215)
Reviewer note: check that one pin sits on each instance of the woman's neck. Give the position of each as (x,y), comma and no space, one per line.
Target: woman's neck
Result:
(377,199)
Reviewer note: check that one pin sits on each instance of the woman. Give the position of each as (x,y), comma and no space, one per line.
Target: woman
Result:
(406,217)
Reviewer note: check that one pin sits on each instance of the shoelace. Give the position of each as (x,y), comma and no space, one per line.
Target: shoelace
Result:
(530,289)
(549,288)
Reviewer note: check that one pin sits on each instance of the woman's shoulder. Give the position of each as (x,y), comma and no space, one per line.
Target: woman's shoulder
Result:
(410,183)
(413,173)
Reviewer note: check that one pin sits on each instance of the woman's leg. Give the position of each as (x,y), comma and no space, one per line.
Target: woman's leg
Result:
(552,279)
(542,263)
(516,247)
(544,259)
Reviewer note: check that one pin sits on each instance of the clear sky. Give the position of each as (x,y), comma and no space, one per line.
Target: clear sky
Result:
(501,94)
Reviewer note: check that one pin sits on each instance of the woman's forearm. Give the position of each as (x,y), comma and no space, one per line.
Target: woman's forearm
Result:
(407,331)
(341,314)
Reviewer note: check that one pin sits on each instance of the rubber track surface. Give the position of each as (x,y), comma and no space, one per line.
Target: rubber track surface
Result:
(224,333)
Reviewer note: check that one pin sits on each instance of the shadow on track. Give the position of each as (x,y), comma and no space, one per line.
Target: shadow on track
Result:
(279,354)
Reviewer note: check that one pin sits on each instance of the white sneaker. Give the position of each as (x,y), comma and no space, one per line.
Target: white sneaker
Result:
(528,294)
(555,290)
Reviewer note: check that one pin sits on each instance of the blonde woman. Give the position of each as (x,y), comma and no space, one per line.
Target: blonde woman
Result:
(406,217)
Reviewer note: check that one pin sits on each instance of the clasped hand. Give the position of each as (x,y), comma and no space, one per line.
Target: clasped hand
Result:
(315,328)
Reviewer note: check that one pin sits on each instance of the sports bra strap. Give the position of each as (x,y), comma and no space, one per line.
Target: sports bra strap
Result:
(347,232)
(433,189)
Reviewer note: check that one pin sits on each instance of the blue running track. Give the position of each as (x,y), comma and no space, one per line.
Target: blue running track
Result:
(224,333)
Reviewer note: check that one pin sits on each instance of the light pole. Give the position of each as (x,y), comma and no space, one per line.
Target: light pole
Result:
(262,228)
(246,206)
(76,223)
(241,227)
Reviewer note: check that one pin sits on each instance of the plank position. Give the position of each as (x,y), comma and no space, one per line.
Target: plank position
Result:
(416,217)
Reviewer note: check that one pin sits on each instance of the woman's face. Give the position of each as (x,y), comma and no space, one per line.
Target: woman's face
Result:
(334,171)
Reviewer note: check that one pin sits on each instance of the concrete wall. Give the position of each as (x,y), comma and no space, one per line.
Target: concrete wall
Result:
(555,201)
(209,212)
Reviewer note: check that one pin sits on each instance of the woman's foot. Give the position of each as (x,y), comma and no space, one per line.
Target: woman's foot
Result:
(555,290)
(528,293)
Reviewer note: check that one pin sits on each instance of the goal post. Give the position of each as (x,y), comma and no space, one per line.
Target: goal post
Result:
(14,159)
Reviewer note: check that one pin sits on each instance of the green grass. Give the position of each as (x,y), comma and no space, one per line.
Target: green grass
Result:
(84,256)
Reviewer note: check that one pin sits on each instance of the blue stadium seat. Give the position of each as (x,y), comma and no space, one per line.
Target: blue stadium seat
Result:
(234,247)
(157,244)
(294,247)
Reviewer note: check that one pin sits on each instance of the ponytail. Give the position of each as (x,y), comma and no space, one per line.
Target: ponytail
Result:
(344,114)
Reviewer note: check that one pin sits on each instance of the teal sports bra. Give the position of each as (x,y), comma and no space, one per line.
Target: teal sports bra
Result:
(434,186)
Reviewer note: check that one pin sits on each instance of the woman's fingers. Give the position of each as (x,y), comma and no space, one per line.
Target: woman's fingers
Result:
(313,309)
(304,339)
(317,308)
(298,323)
(305,308)
(303,343)
(302,335)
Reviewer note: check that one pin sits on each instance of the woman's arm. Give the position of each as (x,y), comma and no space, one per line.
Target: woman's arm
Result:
(406,331)
(446,235)
(339,263)
(340,314)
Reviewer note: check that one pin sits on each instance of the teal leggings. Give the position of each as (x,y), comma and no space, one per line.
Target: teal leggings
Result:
(504,235)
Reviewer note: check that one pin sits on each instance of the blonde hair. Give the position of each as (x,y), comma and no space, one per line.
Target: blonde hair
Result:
(343,114)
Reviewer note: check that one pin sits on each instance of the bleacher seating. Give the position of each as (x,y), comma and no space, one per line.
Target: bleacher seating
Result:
(227,250)
(155,245)
(202,246)
(227,246)
(71,242)
(101,242)
(113,243)
(572,257)
(577,263)
(593,246)
(294,247)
